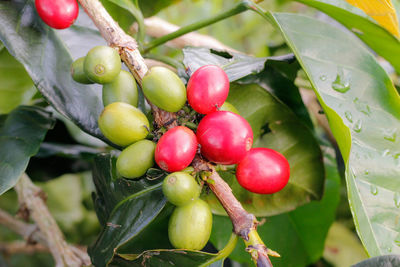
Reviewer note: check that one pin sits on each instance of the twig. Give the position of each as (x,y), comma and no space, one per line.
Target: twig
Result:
(31,202)
(17,247)
(244,223)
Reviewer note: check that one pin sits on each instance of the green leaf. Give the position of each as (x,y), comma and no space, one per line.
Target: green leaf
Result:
(275,126)
(303,230)
(20,136)
(118,10)
(48,149)
(375,36)
(125,208)
(363,109)
(387,261)
(47,61)
(150,8)
(16,86)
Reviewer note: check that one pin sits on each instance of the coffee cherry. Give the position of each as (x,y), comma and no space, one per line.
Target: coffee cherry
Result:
(263,171)
(224,137)
(207,89)
(180,188)
(102,64)
(136,159)
(176,149)
(58,14)
(122,89)
(190,225)
(77,72)
(164,89)
(229,107)
(123,124)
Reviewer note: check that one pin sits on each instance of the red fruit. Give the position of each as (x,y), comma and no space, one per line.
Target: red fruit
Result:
(263,171)
(207,89)
(58,14)
(225,137)
(176,149)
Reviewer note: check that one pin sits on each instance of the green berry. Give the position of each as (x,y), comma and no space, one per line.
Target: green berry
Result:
(77,72)
(164,89)
(180,188)
(102,64)
(123,124)
(229,107)
(136,159)
(122,89)
(190,225)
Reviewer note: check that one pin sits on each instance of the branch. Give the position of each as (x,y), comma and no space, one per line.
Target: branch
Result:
(244,224)
(32,205)
(18,247)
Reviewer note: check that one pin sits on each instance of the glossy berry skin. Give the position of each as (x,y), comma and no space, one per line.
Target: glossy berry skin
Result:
(263,171)
(224,137)
(122,89)
(207,89)
(176,149)
(77,72)
(180,188)
(190,225)
(102,64)
(136,159)
(58,14)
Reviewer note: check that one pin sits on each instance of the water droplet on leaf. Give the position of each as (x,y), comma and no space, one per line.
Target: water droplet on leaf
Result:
(397,199)
(390,135)
(366,172)
(397,241)
(341,84)
(322,77)
(362,106)
(386,152)
(358,126)
(374,189)
(348,116)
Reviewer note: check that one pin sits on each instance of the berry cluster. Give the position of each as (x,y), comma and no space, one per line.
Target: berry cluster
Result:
(224,137)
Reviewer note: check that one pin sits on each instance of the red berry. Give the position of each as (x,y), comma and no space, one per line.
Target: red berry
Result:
(207,89)
(176,149)
(225,137)
(263,171)
(58,14)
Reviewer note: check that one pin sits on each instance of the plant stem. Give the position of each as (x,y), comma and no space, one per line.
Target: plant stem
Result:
(239,8)
(225,252)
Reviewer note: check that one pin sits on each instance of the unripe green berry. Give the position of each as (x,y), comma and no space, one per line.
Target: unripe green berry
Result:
(123,124)
(229,107)
(122,89)
(164,89)
(180,188)
(77,72)
(190,225)
(136,159)
(102,64)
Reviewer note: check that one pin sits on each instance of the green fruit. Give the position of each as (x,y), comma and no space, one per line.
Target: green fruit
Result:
(122,89)
(190,225)
(136,159)
(229,107)
(164,89)
(102,64)
(123,124)
(180,188)
(77,72)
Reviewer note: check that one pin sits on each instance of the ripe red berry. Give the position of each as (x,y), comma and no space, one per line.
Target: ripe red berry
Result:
(176,149)
(207,89)
(263,171)
(58,14)
(225,137)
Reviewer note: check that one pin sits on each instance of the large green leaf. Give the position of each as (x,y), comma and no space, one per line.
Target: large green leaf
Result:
(16,87)
(377,37)
(20,136)
(299,236)
(363,109)
(47,61)
(125,208)
(275,126)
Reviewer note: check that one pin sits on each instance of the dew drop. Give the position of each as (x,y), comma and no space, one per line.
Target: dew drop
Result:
(340,84)
(348,116)
(366,172)
(397,199)
(374,190)
(358,126)
(397,241)
(322,77)
(362,106)
(389,249)
(390,135)
(386,152)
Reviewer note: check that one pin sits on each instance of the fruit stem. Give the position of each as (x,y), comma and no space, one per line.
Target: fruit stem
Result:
(225,252)
(238,8)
